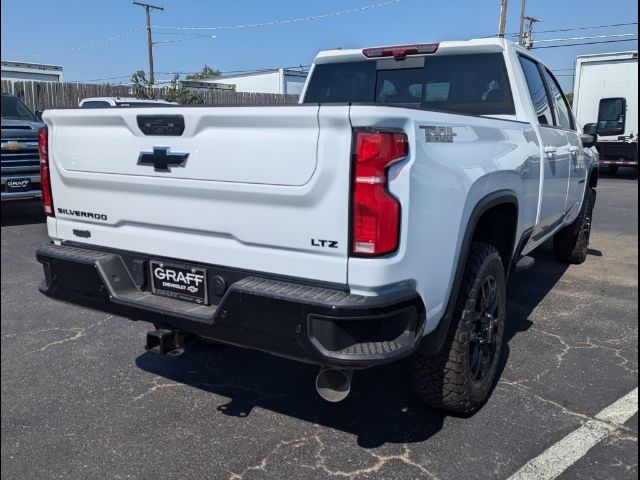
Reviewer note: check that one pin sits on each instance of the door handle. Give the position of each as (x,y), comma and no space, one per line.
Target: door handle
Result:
(550,151)
(574,149)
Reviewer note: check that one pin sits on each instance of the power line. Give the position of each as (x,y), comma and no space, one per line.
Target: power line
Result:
(588,28)
(290,20)
(225,73)
(173,33)
(98,79)
(593,27)
(184,39)
(81,47)
(228,27)
(585,38)
(587,43)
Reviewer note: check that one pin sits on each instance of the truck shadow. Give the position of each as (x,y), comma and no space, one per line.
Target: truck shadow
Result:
(526,290)
(623,173)
(22,212)
(381,408)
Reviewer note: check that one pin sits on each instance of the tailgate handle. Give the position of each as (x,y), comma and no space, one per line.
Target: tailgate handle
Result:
(161,124)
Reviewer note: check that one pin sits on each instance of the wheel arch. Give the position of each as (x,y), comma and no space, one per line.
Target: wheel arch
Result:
(481,217)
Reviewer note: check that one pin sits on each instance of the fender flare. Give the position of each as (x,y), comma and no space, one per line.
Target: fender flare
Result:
(433,342)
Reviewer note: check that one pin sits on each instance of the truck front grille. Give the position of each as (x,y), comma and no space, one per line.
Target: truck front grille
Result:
(20,155)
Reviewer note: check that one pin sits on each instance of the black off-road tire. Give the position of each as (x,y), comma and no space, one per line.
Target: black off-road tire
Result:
(447,380)
(570,245)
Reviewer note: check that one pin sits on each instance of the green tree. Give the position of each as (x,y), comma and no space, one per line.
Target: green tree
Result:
(141,86)
(206,73)
(569,98)
(181,94)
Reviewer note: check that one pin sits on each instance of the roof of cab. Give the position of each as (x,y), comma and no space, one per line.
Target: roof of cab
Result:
(464,46)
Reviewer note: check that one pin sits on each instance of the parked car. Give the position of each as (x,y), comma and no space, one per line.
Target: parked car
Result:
(20,163)
(379,219)
(105,102)
(606,93)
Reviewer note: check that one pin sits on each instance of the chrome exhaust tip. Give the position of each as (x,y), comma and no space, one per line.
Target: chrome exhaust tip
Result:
(333,384)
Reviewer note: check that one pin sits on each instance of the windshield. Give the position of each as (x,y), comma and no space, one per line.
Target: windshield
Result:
(14,109)
(474,84)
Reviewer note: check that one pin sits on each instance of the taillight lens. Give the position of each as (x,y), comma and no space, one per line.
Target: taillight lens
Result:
(45,178)
(376,213)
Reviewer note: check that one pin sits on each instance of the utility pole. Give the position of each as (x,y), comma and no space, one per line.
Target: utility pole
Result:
(528,36)
(522,13)
(148,7)
(503,18)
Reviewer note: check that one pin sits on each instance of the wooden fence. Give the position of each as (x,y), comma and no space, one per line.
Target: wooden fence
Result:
(43,95)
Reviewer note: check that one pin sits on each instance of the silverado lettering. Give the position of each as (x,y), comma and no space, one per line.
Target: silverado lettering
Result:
(434,169)
(78,213)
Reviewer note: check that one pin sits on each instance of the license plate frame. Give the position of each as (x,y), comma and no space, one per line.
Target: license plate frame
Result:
(24,184)
(187,283)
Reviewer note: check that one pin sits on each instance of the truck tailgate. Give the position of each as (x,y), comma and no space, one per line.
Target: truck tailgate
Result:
(259,184)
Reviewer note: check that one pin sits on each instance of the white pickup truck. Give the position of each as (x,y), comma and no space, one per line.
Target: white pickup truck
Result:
(378,219)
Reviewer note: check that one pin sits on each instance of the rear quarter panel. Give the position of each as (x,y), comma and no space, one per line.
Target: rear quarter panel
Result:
(438,186)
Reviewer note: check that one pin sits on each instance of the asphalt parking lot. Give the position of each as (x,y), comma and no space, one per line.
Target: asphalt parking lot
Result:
(81,398)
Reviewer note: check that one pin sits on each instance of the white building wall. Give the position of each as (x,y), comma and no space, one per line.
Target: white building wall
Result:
(19,71)
(277,81)
(29,77)
(259,83)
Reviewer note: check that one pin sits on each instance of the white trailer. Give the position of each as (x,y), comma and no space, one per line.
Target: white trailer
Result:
(606,93)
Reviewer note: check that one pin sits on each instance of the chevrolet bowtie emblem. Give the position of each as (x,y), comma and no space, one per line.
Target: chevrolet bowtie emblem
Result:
(10,145)
(162,159)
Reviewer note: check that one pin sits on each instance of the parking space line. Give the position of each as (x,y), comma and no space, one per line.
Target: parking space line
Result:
(560,456)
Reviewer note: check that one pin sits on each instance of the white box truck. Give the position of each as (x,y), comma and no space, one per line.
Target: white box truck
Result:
(606,93)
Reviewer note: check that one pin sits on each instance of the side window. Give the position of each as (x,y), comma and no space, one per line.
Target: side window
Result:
(564,118)
(537,91)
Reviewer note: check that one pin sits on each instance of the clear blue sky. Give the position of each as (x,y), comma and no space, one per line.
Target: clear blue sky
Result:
(50,28)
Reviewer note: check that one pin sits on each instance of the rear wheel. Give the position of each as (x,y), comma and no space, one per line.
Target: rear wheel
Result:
(460,378)
(571,244)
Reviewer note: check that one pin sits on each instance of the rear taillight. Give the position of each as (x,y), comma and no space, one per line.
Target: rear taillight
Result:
(45,179)
(376,213)
(401,51)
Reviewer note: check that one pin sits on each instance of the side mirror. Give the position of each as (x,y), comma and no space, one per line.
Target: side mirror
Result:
(39,115)
(589,135)
(612,114)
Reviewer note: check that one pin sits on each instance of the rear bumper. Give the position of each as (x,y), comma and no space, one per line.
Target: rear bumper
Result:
(325,326)
(21,195)
(618,153)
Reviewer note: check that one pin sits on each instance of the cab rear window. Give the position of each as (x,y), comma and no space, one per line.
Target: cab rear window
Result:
(472,84)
